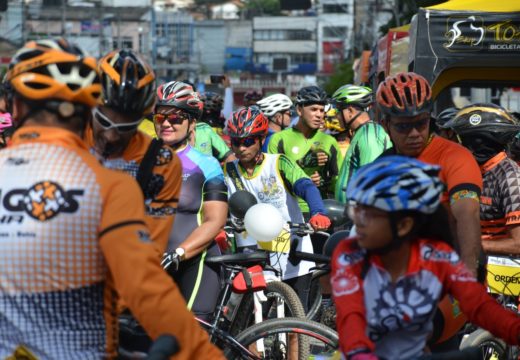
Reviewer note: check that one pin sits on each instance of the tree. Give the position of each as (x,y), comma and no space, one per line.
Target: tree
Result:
(343,75)
(263,7)
(404,10)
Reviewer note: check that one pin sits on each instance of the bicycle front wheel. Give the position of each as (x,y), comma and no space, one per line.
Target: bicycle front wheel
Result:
(492,347)
(279,337)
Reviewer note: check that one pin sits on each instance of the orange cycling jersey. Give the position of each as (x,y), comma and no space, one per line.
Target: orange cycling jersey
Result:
(163,190)
(500,201)
(72,237)
(459,169)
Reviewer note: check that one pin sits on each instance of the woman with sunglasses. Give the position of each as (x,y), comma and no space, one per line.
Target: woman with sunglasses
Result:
(404,101)
(127,95)
(276,180)
(202,209)
(388,280)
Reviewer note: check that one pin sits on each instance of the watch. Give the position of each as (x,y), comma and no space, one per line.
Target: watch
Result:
(181,252)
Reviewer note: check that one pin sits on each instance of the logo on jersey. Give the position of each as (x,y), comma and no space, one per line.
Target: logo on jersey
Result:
(42,201)
(164,156)
(429,253)
(270,188)
(344,284)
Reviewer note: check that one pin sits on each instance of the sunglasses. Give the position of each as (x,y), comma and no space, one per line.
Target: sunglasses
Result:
(107,124)
(406,128)
(247,142)
(173,119)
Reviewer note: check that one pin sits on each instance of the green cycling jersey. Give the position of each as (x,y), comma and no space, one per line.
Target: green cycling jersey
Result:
(369,141)
(302,150)
(208,142)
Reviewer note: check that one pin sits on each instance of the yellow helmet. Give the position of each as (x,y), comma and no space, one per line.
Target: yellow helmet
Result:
(332,121)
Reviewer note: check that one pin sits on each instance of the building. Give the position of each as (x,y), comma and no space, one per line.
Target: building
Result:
(285,45)
(335,33)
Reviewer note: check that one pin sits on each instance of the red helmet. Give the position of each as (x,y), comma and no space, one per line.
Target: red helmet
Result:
(249,121)
(404,94)
(180,95)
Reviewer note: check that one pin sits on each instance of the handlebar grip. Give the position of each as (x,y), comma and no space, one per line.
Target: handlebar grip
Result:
(163,348)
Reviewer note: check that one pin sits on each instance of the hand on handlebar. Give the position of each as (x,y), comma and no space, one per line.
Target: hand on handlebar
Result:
(319,222)
(171,261)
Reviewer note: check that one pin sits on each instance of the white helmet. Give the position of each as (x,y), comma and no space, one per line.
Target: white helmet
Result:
(274,103)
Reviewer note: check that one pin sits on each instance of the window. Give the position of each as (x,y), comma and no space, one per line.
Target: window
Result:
(335,31)
(299,35)
(335,8)
(306,58)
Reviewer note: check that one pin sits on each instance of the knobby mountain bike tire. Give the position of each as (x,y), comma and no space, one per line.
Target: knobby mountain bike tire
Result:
(492,347)
(322,340)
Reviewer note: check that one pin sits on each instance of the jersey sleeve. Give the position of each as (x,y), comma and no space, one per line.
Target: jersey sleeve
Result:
(290,172)
(462,172)
(509,197)
(219,149)
(480,308)
(214,187)
(134,269)
(373,141)
(347,289)
(334,164)
(274,144)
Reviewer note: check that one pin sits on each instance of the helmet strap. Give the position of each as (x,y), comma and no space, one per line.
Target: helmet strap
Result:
(348,125)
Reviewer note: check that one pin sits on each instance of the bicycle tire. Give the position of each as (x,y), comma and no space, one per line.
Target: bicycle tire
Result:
(244,317)
(491,346)
(314,303)
(299,326)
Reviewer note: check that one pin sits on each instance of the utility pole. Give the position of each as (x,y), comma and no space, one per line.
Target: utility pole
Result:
(153,31)
(63,17)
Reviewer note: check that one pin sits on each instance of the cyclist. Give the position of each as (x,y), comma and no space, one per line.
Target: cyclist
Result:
(369,139)
(128,94)
(388,280)
(277,109)
(276,180)
(314,151)
(202,209)
(205,138)
(404,101)
(75,239)
(334,127)
(486,129)
(442,118)
(252,97)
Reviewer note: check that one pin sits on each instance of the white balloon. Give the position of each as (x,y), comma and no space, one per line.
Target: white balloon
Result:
(263,222)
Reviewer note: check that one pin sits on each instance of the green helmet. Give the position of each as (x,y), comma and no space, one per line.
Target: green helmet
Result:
(347,95)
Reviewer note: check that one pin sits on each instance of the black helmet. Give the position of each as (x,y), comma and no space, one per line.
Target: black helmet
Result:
(311,95)
(128,82)
(213,102)
(445,115)
(484,122)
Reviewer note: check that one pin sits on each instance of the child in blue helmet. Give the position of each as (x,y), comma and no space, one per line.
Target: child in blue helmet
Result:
(388,279)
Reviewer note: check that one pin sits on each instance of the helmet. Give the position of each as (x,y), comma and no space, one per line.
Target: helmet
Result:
(51,69)
(484,121)
(180,95)
(332,122)
(514,147)
(213,102)
(396,183)
(128,82)
(445,115)
(249,121)
(353,95)
(311,95)
(252,95)
(404,94)
(275,103)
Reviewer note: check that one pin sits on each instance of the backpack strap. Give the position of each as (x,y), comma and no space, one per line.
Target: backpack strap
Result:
(145,171)
(231,169)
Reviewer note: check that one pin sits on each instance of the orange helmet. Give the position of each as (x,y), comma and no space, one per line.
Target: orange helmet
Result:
(128,82)
(404,94)
(247,121)
(52,69)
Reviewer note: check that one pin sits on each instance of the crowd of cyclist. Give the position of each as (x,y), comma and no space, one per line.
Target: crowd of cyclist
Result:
(108,177)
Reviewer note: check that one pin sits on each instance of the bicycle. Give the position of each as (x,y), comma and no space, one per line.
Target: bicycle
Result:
(502,278)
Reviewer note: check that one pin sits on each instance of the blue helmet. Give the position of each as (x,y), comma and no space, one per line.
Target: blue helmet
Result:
(397,183)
